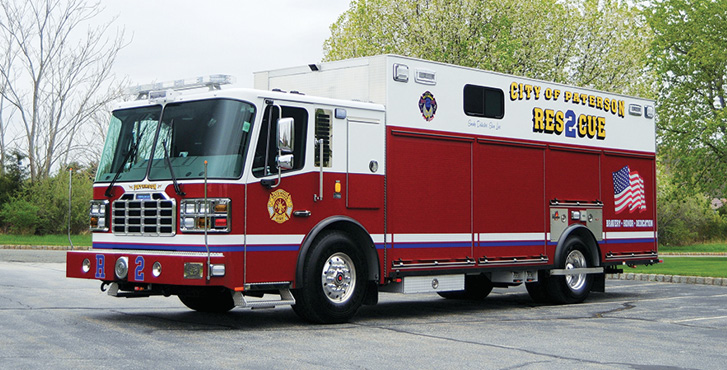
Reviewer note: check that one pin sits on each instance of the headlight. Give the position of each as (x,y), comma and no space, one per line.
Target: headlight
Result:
(98,215)
(195,215)
(122,267)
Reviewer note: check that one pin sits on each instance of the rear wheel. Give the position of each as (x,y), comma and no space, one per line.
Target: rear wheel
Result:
(571,288)
(217,300)
(334,280)
(476,288)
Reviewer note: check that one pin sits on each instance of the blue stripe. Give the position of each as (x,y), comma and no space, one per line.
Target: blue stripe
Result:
(433,245)
(196,248)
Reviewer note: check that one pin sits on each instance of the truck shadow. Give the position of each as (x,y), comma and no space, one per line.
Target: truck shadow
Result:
(392,309)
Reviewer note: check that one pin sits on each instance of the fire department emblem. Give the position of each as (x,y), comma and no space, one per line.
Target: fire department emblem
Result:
(280,206)
(428,106)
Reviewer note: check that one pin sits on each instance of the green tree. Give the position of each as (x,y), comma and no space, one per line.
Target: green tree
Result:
(600,44)
(689,54)
(41,207)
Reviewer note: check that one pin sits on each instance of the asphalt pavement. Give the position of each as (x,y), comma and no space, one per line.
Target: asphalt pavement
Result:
(50,321)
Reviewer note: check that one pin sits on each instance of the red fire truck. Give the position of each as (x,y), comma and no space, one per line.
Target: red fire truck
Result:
(390,174)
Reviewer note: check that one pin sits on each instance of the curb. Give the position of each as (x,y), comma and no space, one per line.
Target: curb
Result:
(45,247)
(677,254)
(677,279)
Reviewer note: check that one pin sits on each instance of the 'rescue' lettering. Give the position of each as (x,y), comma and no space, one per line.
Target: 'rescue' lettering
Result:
(549,121)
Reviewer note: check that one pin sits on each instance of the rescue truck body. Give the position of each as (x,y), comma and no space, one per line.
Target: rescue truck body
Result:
(390,174)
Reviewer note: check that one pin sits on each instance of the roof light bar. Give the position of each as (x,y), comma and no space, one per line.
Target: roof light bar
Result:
(213,82)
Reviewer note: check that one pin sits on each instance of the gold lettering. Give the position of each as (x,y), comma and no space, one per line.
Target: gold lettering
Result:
(528,91)
(513,91)
(621,108)
(582,125)
(548,94)
(556,94)
(601,128)
(606,104)
(549,124)
(559,118)
(537,88)
(592,100)
(568,95)
(599,103)
(592,126)
(537,120)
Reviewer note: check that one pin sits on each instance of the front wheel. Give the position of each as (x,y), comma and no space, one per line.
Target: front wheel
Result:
(334,280)
(571,288)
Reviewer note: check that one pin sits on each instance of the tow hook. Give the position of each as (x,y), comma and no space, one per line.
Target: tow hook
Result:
(104,285)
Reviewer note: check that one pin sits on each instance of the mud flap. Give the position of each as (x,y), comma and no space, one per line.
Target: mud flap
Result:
(599,283)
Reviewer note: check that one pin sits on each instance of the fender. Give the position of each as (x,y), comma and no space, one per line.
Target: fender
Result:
(350,226)
(586,236)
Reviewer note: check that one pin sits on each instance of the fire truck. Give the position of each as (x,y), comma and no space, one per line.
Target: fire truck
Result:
(329,183)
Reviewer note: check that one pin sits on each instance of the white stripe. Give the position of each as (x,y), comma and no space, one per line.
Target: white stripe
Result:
(198,239)
(511,236)
(409,238)
(630,234)
(377,238)
(179,239)
(275,239)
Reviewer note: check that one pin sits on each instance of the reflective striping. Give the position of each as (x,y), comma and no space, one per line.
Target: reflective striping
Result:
(428,238)
(630,235)
(501,237)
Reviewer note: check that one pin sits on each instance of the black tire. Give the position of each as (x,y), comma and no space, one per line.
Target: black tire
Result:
(213,301)
(476,288)
(539,291)
(574,288)
(334,280)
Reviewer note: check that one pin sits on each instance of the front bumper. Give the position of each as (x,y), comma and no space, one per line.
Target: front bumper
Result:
(177,268)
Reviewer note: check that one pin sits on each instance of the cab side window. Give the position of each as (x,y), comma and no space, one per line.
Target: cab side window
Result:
(268,142)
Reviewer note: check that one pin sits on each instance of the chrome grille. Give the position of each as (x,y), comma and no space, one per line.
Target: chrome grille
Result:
(152,214)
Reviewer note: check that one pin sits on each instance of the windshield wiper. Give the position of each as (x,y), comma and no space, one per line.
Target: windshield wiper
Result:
(132,151)
(169,163)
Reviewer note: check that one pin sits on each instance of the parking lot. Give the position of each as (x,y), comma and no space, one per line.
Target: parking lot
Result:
(49,321)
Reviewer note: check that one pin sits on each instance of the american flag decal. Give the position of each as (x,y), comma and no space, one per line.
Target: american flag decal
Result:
(628,191)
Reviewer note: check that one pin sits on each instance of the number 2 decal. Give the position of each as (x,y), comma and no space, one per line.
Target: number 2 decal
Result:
(139,271)
(570,124)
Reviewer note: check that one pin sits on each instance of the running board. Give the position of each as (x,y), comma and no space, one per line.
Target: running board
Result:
(578,271)
(286,299)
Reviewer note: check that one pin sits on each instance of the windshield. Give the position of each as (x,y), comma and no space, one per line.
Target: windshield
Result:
(216,131)
(128,144)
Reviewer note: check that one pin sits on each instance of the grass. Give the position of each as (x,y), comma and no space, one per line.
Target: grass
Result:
(696,248)
(686,266)
(79,240)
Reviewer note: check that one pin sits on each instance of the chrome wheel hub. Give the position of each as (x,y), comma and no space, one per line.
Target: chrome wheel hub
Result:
(575,259)
(338,278)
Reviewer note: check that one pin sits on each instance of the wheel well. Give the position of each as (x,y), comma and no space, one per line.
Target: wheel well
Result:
(354,230)
(586,236)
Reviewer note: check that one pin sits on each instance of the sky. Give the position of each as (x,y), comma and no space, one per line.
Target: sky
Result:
(178,39)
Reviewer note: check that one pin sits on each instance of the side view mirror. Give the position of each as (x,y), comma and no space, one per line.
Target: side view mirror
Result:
(286,132)
(285,162)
